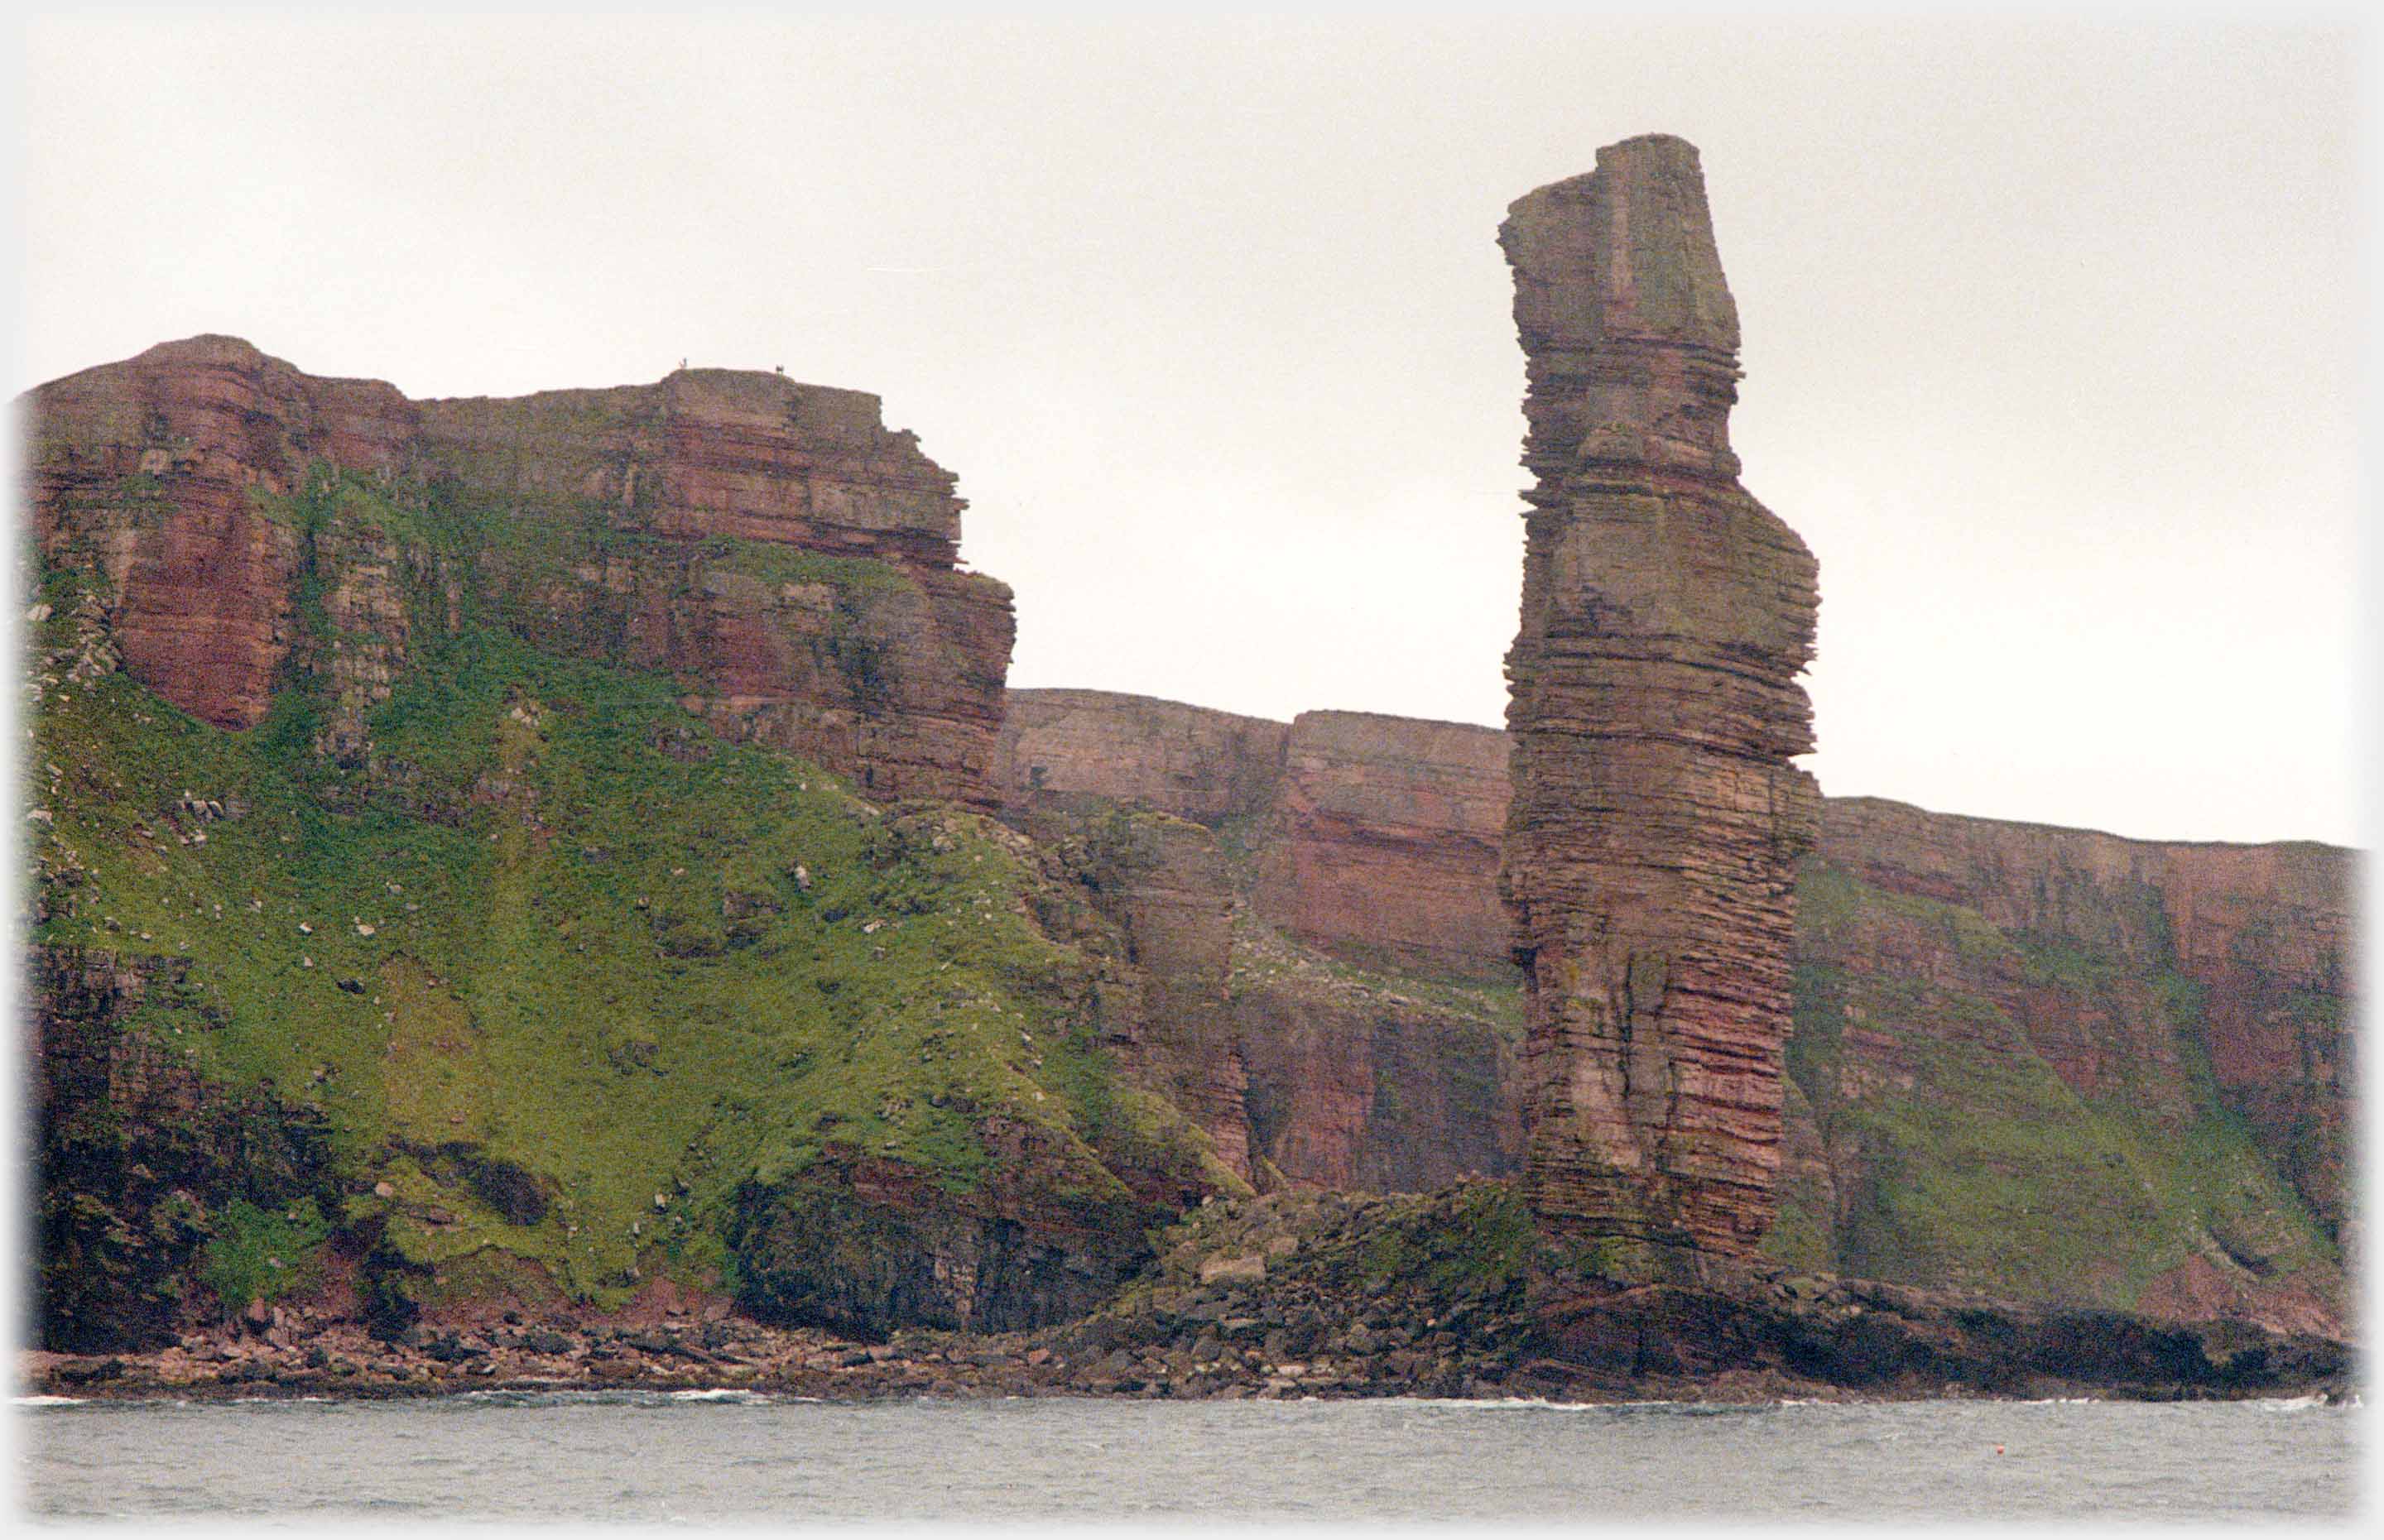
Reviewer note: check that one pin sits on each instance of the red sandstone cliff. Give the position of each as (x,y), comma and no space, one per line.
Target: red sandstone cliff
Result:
(1943,963)
(1387,840)
(1378,835)
(1364,1082)
(2263,931)
(1651,843)
(772,544)
(1163,882)
(1374,838)
(1183,761)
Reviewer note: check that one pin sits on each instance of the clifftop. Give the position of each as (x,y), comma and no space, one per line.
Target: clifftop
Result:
(773,545)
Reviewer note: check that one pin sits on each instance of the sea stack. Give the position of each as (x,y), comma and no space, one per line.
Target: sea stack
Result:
(1650,848)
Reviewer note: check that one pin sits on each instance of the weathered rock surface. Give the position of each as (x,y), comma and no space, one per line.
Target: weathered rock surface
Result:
(869,1248)
(1164,884)
(1377,836)
(1385,842)
(1186,761)
(1294,1295)
(1657,819)
(2264,931)
(2069,1005)
(792,560)
(2148,1044)
(138,1155)
(144,470)
(1457,1293)
(1372,837)
(1357,1087)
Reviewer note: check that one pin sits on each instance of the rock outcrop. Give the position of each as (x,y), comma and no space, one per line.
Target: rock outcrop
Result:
(1291,1295)
(791,561)
(2149,1043)
(147,472)
(1377,836)
(1656,817)
(1313,906)
(1163,885)
(1359,1086)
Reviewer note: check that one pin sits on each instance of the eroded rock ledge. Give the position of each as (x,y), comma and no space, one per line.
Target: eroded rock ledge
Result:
(1651,843)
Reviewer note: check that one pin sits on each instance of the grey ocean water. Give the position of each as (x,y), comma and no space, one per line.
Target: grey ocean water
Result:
(729,1456)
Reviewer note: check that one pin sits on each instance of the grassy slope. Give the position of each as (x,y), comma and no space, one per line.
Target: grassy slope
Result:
(584,958)
(1989,1172)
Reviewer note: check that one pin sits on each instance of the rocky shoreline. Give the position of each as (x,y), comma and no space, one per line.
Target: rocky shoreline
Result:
(1291,1295)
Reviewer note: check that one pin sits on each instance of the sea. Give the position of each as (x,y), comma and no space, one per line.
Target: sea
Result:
(739,1458)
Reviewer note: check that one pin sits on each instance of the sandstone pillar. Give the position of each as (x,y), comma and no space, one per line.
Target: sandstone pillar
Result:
(1649,853)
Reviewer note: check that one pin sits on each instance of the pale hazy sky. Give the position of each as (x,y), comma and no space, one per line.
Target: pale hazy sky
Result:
(2053,332)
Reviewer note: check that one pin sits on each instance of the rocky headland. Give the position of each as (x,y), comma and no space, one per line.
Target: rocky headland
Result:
(556,893)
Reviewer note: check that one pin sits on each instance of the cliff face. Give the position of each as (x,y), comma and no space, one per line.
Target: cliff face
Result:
(1655,819)
(484,775)
(154,1185)
(581,1000)
(1163,883)
(1356,1028)
(1387,840)
(2148,1044)
(1183,761)
(1368,1082)
(144,470)
(1376,836)
(770,544)
(2262,934)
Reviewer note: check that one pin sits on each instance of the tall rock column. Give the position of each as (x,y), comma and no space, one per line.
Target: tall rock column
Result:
(1650,847)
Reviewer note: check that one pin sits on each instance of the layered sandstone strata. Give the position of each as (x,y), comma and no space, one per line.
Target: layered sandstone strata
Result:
(1656,817)
(1163,882)
(147,470)
(789,559)
(1369,1089)
(1377,836)
(1186,760)
(2263,932)
(2054,1064)
(1385,842)
(2073,1007)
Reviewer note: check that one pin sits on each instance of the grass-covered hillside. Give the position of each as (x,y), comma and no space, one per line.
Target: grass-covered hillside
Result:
(1935,1139)
(577,988)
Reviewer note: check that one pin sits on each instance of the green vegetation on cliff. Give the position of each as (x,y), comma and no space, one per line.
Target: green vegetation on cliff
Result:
(1960,1155)
(562,973)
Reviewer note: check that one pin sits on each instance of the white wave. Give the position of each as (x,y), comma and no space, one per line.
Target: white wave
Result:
(1532,1403)
(48,1400)
(723,1393)
(2294,1403)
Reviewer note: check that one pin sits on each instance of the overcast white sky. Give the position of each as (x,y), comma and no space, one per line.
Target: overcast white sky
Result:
(2053,332)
